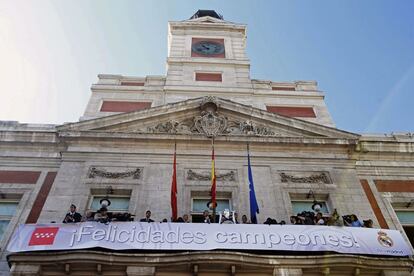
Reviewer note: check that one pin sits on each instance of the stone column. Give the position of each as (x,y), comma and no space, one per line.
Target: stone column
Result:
(140,271)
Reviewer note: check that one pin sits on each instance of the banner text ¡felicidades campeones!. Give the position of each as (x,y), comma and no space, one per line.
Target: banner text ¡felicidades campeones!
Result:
(186,236)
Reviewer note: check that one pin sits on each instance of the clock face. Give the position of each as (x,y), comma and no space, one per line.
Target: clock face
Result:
(208,48)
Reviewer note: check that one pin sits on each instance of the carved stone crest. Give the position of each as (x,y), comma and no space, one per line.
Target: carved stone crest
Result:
(172,127)
(250,128)
(207,100)
(206,176)
(95,172)
(210,123)
(314,178)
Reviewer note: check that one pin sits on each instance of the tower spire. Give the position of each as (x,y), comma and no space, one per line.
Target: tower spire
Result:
(202,13)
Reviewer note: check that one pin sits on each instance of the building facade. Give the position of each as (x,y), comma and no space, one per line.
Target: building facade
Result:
(122,149)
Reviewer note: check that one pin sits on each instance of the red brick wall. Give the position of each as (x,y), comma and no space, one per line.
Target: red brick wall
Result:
(395,186)
(220,41)
(208,77)
(292,111)
(120,106)
(19,177)
(374,204)
(41,198)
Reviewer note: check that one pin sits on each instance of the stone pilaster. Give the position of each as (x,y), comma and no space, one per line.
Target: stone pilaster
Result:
(25,270)
(287,272)
(140,271)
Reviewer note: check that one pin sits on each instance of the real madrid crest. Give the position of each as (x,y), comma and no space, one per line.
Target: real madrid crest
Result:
(384,240)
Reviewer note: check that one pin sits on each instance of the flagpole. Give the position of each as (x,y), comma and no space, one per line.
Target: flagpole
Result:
(254,207)
(213,180)
(174,186)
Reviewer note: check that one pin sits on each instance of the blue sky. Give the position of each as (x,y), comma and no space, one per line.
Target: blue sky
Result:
(360,52)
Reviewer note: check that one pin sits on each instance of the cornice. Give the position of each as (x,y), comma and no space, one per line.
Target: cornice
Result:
(213,61)
(214,26)
(28,136)
(383,147)
(163,259)
(116,136)
(34,162)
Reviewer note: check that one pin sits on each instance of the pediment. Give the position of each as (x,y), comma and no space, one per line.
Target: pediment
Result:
(207,116)
(208,19)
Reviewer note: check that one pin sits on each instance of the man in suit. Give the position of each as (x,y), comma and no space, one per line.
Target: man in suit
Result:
(72,216)
(147,217)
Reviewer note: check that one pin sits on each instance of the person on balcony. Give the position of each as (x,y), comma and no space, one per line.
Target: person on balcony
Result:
(206,217)
(368,223)
(353,221)
(319,219)
(89,216)
(72,216)
(245,220)
(102,215)
(334,219)
(186,218)
(147,217)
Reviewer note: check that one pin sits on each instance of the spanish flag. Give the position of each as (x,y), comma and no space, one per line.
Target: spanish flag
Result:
(213,180)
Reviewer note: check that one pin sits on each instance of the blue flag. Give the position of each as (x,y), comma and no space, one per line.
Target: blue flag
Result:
(254,207)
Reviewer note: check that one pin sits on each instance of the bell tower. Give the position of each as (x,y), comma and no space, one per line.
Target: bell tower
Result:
(207,51)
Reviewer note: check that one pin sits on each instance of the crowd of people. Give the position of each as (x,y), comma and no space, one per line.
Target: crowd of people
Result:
(101,215)
(304,218)
(317,218)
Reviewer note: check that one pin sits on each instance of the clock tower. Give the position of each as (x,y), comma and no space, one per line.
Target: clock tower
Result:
(207,51)
(207,57)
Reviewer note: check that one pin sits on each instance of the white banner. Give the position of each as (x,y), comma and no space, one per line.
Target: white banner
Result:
(194,236)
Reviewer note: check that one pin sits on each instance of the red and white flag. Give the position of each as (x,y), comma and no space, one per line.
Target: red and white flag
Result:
(43,236)
(174,188)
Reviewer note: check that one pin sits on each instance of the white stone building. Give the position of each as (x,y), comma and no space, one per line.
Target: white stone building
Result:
(123,144)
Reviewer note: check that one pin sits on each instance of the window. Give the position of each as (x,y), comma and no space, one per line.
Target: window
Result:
(118,203)
(303,202)
(198,205)
(299,206)
(119,199)
(406,217)
(7,211)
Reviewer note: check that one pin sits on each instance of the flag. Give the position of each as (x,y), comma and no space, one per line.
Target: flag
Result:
(174,187)
(254,207)
(43,236)
(213,180)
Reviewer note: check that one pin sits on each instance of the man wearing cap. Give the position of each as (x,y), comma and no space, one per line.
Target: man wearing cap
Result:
(72,216)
